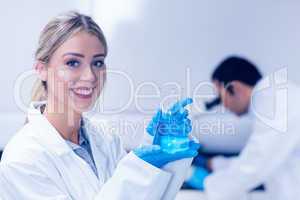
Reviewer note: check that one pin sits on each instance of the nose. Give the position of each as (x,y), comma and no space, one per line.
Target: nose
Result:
(88,74)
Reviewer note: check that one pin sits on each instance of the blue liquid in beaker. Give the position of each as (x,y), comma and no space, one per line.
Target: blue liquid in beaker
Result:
(173,144)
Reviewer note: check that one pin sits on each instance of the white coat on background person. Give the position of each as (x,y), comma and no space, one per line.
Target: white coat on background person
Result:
(58,173)
(272,154)
(4,190)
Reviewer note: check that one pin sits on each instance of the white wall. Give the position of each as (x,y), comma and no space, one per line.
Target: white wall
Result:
(161,38)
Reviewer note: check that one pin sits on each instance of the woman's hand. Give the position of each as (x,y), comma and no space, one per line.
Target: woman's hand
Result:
(154,155)
(199,174)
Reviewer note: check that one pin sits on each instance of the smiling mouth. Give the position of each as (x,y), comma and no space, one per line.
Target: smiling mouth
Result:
(83,92)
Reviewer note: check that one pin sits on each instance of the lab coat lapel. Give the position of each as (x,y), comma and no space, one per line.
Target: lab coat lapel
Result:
(98,149)
(47,134)
(68,163)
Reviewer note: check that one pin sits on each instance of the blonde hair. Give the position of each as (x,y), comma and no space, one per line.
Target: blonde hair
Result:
(54,34)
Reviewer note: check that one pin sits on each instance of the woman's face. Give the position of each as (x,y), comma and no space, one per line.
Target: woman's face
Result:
(76,73)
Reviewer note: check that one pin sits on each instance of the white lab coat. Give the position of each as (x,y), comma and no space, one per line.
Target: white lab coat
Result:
(272,154)
(38,164)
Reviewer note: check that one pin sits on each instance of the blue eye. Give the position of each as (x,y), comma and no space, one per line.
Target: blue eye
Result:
(73,63)
(98,63)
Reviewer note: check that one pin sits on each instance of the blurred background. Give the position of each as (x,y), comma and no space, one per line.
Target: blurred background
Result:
(159,52)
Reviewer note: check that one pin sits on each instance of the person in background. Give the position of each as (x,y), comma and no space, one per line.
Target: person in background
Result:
(271,155)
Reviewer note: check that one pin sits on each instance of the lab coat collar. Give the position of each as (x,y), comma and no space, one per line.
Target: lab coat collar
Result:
(46,133)
(49,137)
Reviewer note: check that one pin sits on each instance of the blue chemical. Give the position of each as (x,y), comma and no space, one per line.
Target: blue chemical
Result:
(173,143)
(170,129)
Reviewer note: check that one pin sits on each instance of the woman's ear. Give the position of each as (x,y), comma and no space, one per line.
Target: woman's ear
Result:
(41,69)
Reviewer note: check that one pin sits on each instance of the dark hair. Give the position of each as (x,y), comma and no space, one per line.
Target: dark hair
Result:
(234,68)
(237,69)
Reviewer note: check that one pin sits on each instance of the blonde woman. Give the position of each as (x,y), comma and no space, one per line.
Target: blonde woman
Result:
(61,154)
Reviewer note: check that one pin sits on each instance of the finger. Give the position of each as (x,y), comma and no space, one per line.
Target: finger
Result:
(187,121)
(181,104)
(187,126)
(191,153)
(149,130)
(186,154)
(186,102)
(185,113)
(157,116)
(156,138)
(152,126)
(181,114)
(186,130)
(194,146)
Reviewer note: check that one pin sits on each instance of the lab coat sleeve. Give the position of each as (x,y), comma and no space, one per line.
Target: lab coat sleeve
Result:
(266,151)
(135,179)
(220,163)
(29,182)
(132,179)
(261,157)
